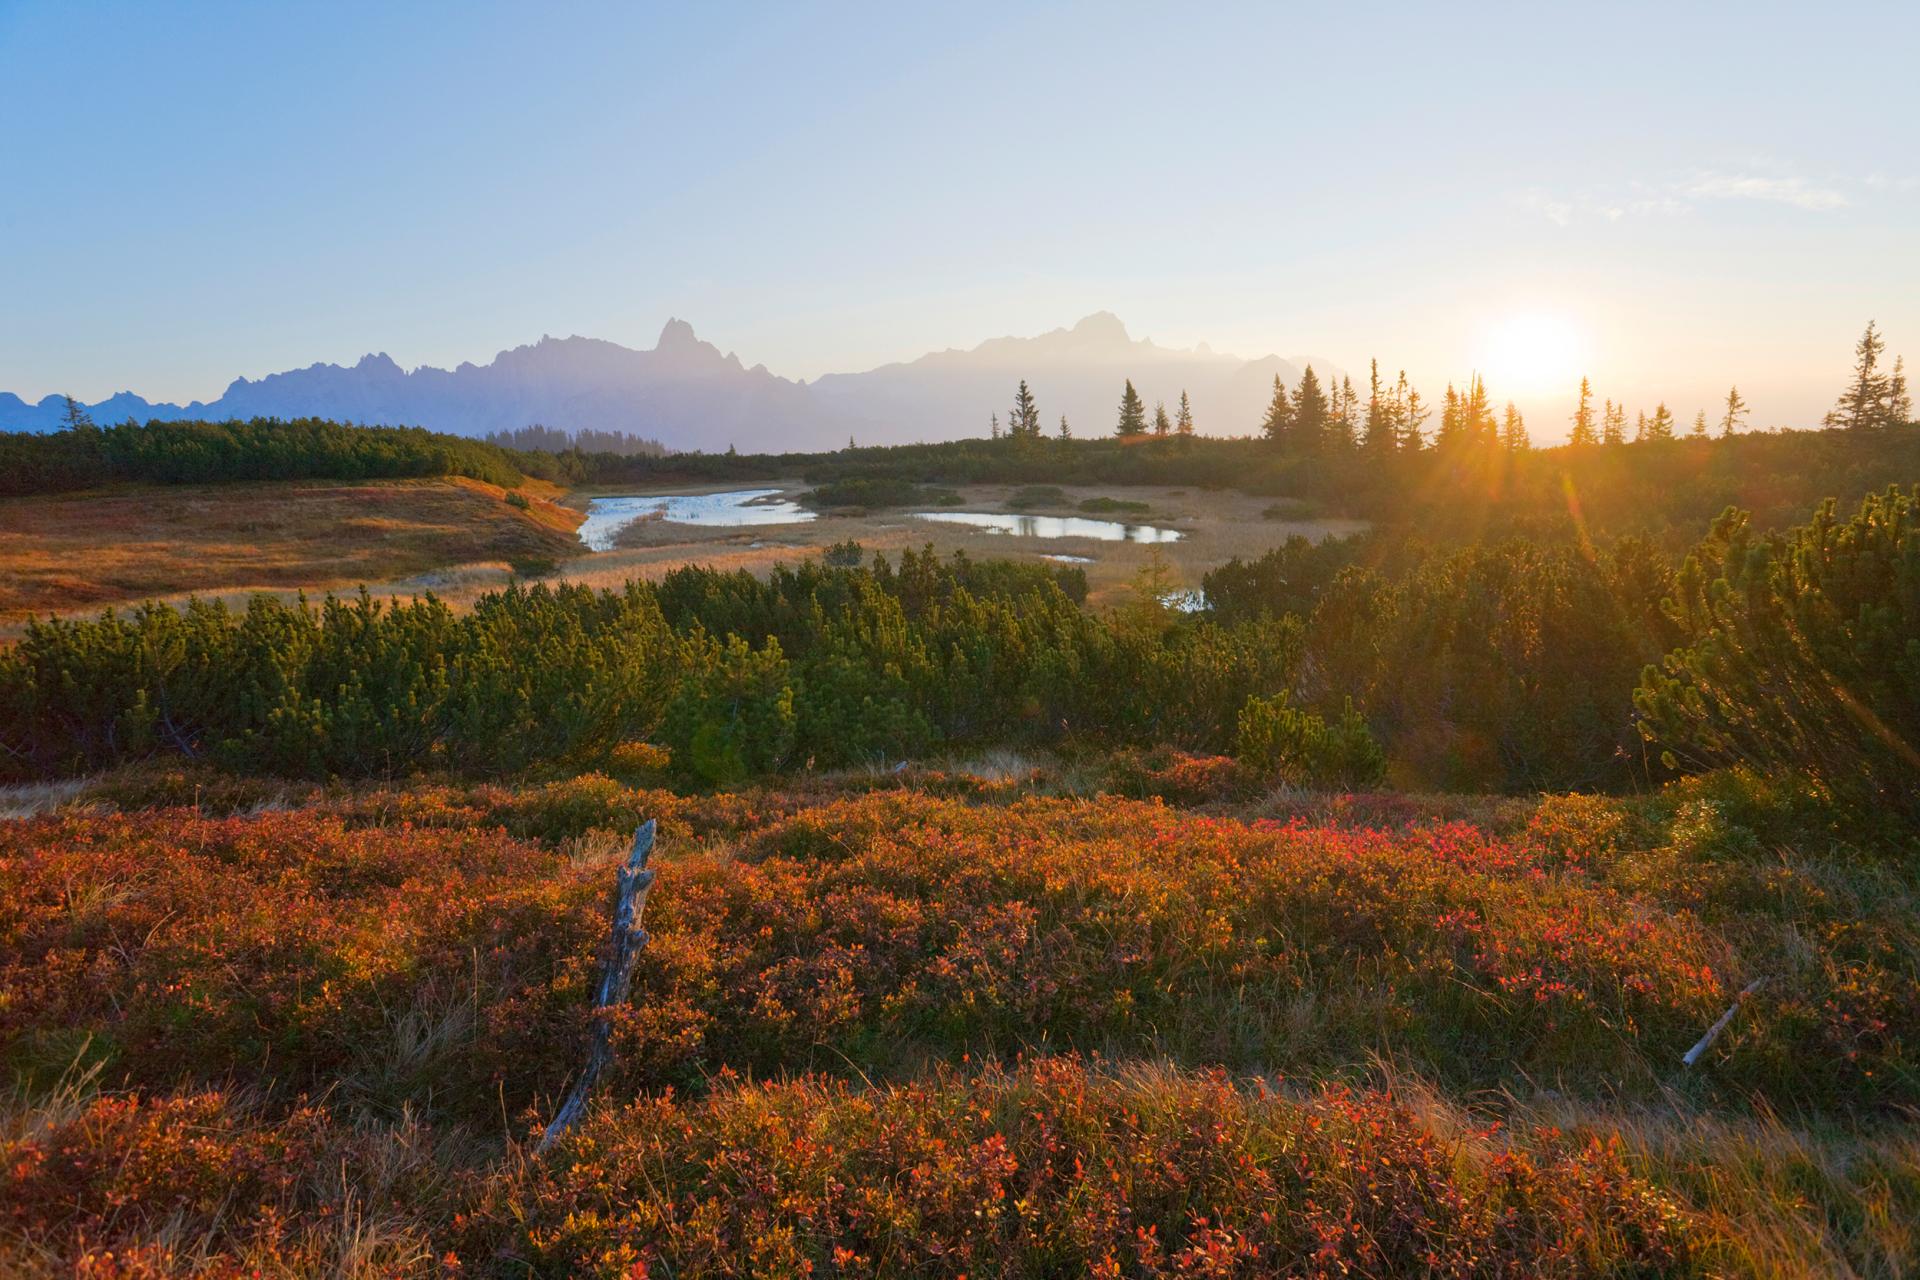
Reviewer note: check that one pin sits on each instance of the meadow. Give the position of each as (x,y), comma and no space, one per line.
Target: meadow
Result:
(987,1018)
(1372,920)
(81,551)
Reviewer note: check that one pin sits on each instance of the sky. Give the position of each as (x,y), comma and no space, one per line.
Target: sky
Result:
(1668,198)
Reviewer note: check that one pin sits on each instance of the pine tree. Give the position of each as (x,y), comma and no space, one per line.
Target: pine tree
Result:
(1660,426)
(1342,419)
(1023,423)
(1859,406)
(1309,413)
(1584,436)
(1513,433)
(1183,421)
(1161,423)
(74,416)
(1639,426)
(1279,419)
(1380,432)
(1481,427)
(1411,418)
(1896,406)
(1699,431)
(1736,410)
(1613,424)
(995,425)
(1453,422)
(1066,432)
(1133,414)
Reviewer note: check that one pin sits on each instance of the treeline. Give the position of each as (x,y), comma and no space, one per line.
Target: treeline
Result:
(737,677)
(544,439)
(84,455)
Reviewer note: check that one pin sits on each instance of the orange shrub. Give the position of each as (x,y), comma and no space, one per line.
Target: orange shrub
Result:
(889,926)
(1057,1169)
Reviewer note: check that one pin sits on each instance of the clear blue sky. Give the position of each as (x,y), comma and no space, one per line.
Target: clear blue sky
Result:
(1670,197)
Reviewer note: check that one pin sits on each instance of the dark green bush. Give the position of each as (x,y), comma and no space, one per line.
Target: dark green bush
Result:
(1801,652)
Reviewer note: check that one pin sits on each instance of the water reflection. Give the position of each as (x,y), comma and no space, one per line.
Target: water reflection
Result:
(1054,526)
(606,517)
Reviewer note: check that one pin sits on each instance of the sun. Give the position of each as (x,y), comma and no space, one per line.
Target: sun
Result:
(1532,352)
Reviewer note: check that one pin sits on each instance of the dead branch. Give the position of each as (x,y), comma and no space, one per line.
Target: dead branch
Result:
(1713,1032)
(629,900)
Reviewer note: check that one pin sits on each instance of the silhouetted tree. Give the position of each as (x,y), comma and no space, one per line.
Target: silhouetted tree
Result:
(1309,413)
(1896,406)
(1861,404)
(1584,436)
(1736,411)
(1279,420)
(1161,423)
(1381,431)
(1183,420)
(74,416)
(1023,423)
(1513,432)
(1613,424)
(1133,413)
(1660,425)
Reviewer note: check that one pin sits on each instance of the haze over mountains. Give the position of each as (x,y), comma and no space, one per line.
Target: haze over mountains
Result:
(689,395)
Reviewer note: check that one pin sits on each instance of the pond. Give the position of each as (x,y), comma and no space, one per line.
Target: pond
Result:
(1054,526)
(606,517)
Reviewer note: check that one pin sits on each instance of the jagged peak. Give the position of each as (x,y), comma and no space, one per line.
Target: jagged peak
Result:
(676,333)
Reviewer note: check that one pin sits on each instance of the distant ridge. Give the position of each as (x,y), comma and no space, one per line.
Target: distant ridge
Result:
(687,394)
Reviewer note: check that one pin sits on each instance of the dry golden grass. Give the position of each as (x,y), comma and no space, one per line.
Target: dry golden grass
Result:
(78,552)
(82,551)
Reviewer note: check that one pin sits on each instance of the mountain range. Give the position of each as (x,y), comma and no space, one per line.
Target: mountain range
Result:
(689,395)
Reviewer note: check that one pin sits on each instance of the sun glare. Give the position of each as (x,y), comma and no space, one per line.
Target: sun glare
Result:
(1532,352)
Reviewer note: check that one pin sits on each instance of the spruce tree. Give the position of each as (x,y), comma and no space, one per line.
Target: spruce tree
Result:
(1023,423)
(1736,410)
(1412,416)
(995,426)
(1660,426)
(1279,419)
(1066,432)
(1481,426)
(1699,431)
(1345,419)
(1613,424)
(1133,414)
(1896,406)
(1380,432)
(1453,422)
(74,416)
(1860,404)
(1513,433)
(1309,413)
(1161,423)
(1183,421)
(1584,436)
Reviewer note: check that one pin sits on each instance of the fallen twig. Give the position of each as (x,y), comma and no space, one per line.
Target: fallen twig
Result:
(1713,1032)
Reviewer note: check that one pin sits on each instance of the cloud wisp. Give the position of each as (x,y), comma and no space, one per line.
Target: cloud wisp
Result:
(1684,196)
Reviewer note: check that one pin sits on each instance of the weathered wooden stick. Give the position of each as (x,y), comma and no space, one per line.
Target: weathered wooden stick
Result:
(630,899)
(1713,1032)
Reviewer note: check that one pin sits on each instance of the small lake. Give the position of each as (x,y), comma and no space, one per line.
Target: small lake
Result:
(606,517)
(1054,526)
